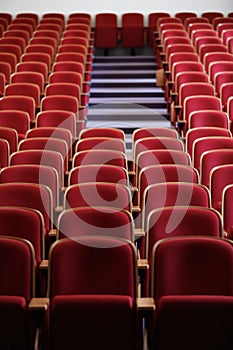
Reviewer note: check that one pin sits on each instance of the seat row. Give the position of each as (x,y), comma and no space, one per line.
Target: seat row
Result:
(108,22)
(197,70)
(84,98)
(199,115)
(82,218)
(93,283)
(82,161)
(205,119)
(68,73)
(161,147)
(121,223)
(165,178)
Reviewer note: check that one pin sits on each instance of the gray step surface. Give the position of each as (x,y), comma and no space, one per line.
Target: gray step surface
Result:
(125,74)
(125,111)
(124,83)
(127,126)
(147,102)
(153,92)
(124,95)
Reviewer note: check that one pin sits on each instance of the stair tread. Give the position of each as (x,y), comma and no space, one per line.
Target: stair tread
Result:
(129,80)
(139,111)
(133,124)
(128,71)
(126,89)
(127,99)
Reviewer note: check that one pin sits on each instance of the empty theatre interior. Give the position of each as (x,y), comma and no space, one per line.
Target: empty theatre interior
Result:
(116,176)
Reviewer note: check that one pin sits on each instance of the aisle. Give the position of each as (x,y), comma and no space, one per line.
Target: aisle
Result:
(124,94)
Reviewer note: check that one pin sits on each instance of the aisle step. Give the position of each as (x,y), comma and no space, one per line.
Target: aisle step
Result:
(103,66)
(124,83)
(124,94)
(126,91)
(126,58)
(129,73)
(147,102)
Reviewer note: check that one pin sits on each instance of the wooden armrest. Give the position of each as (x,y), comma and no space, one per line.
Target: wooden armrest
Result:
(81,121)
(138,233)
(167,73)
(181,124)
(143,264)
(136,209)
(162,55)
(133,189)
(156,34)
(64,189)
(84,94)
(165,65)
(38,308)
(39,304)
(173,96)
(58,209)
(170,84)
(160,47)
(145,304)
(181,121)
(177,108)
(52,233)
(44,265)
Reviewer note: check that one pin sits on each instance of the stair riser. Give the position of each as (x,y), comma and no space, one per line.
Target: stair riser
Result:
(124,59)
(106,67)
(126,117)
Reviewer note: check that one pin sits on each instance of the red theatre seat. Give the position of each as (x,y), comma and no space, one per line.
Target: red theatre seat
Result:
(106,32)
(132,30)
